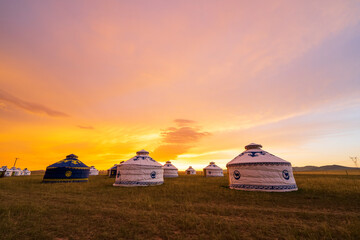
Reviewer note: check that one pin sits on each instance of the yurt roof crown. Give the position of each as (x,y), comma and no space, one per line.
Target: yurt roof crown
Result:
(142,152)
(70,161)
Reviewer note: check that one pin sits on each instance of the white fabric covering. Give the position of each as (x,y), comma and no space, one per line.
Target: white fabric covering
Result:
(93,171)
(8,172)
(27,172)
(16,171)
(257,170)
(140,170)
(212,170)
(170,170)
(190,171)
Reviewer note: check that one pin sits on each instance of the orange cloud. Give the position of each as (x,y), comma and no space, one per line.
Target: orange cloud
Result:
(178,140)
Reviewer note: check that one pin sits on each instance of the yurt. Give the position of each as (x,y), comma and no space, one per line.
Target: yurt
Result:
(141,170)
(257,170)
(15,171)
(27,172)
(212,170)
(93,171)
(170,170)
(7,171)
(70,169)
(2,171)
(190,171)
(21,172)
(112,171)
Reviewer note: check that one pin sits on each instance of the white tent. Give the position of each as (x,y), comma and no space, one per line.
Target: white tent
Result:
(140,170)
(8,172)
(93,171)
(190,171)
(21,172)
(27,172)
(212,170)
(170,170)
(16,171)
(257,170)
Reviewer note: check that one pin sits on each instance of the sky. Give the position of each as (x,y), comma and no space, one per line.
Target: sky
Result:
(189,81)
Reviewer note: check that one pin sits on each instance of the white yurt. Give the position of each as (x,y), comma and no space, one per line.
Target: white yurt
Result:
(21,172)
(140,170)
(27,172)
(212,170)
(7,171)
(170,170)
(257,170)
(93,171)
(190,171)
(16,172)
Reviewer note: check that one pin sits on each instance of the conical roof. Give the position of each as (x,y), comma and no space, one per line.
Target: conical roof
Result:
(190,169)
(113,167)
(70,161)
(254,155)
(142,158)
(212,166)
(169,166)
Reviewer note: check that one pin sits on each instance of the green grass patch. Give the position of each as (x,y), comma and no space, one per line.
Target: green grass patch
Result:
(188,207)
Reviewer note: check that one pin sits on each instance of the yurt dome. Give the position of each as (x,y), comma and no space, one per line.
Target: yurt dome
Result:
(93,171)
(70,169)
(21,172)
(257,170)
(190,171)
(170,170)
(2,171)
(112,171)
(15,171)
(7,171)
(27,172)
(212,170)
(141,170)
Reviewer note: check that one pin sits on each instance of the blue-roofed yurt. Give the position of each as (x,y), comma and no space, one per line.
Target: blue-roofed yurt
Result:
(112,171)
(70,169)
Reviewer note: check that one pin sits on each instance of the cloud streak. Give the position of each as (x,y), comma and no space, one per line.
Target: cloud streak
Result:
(30,107)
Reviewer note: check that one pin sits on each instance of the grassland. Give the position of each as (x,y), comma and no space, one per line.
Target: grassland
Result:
(188,207)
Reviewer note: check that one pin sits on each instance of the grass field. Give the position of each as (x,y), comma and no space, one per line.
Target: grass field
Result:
(188,207)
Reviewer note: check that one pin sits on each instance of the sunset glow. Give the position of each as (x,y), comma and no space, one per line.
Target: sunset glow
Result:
(189,81)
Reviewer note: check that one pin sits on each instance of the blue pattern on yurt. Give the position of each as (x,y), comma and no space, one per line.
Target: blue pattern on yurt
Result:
(69,169)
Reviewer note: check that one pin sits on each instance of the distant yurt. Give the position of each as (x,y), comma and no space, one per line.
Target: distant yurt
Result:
(212,170)
(21,172)
(16,171)
(27,172)
(70,169)
(112,171)
(7,171)
(2,172)
(93,171)
(190,171)
(170,170)
(141,170)
(257,170)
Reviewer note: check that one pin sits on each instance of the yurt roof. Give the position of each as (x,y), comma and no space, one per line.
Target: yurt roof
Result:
(213,166)
(13,168)
(113,167)
(70,161)
(168,165)
(190,168)
(142,158)
(253,154)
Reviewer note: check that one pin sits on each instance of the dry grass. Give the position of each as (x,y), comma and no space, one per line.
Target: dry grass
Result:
(188,207)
